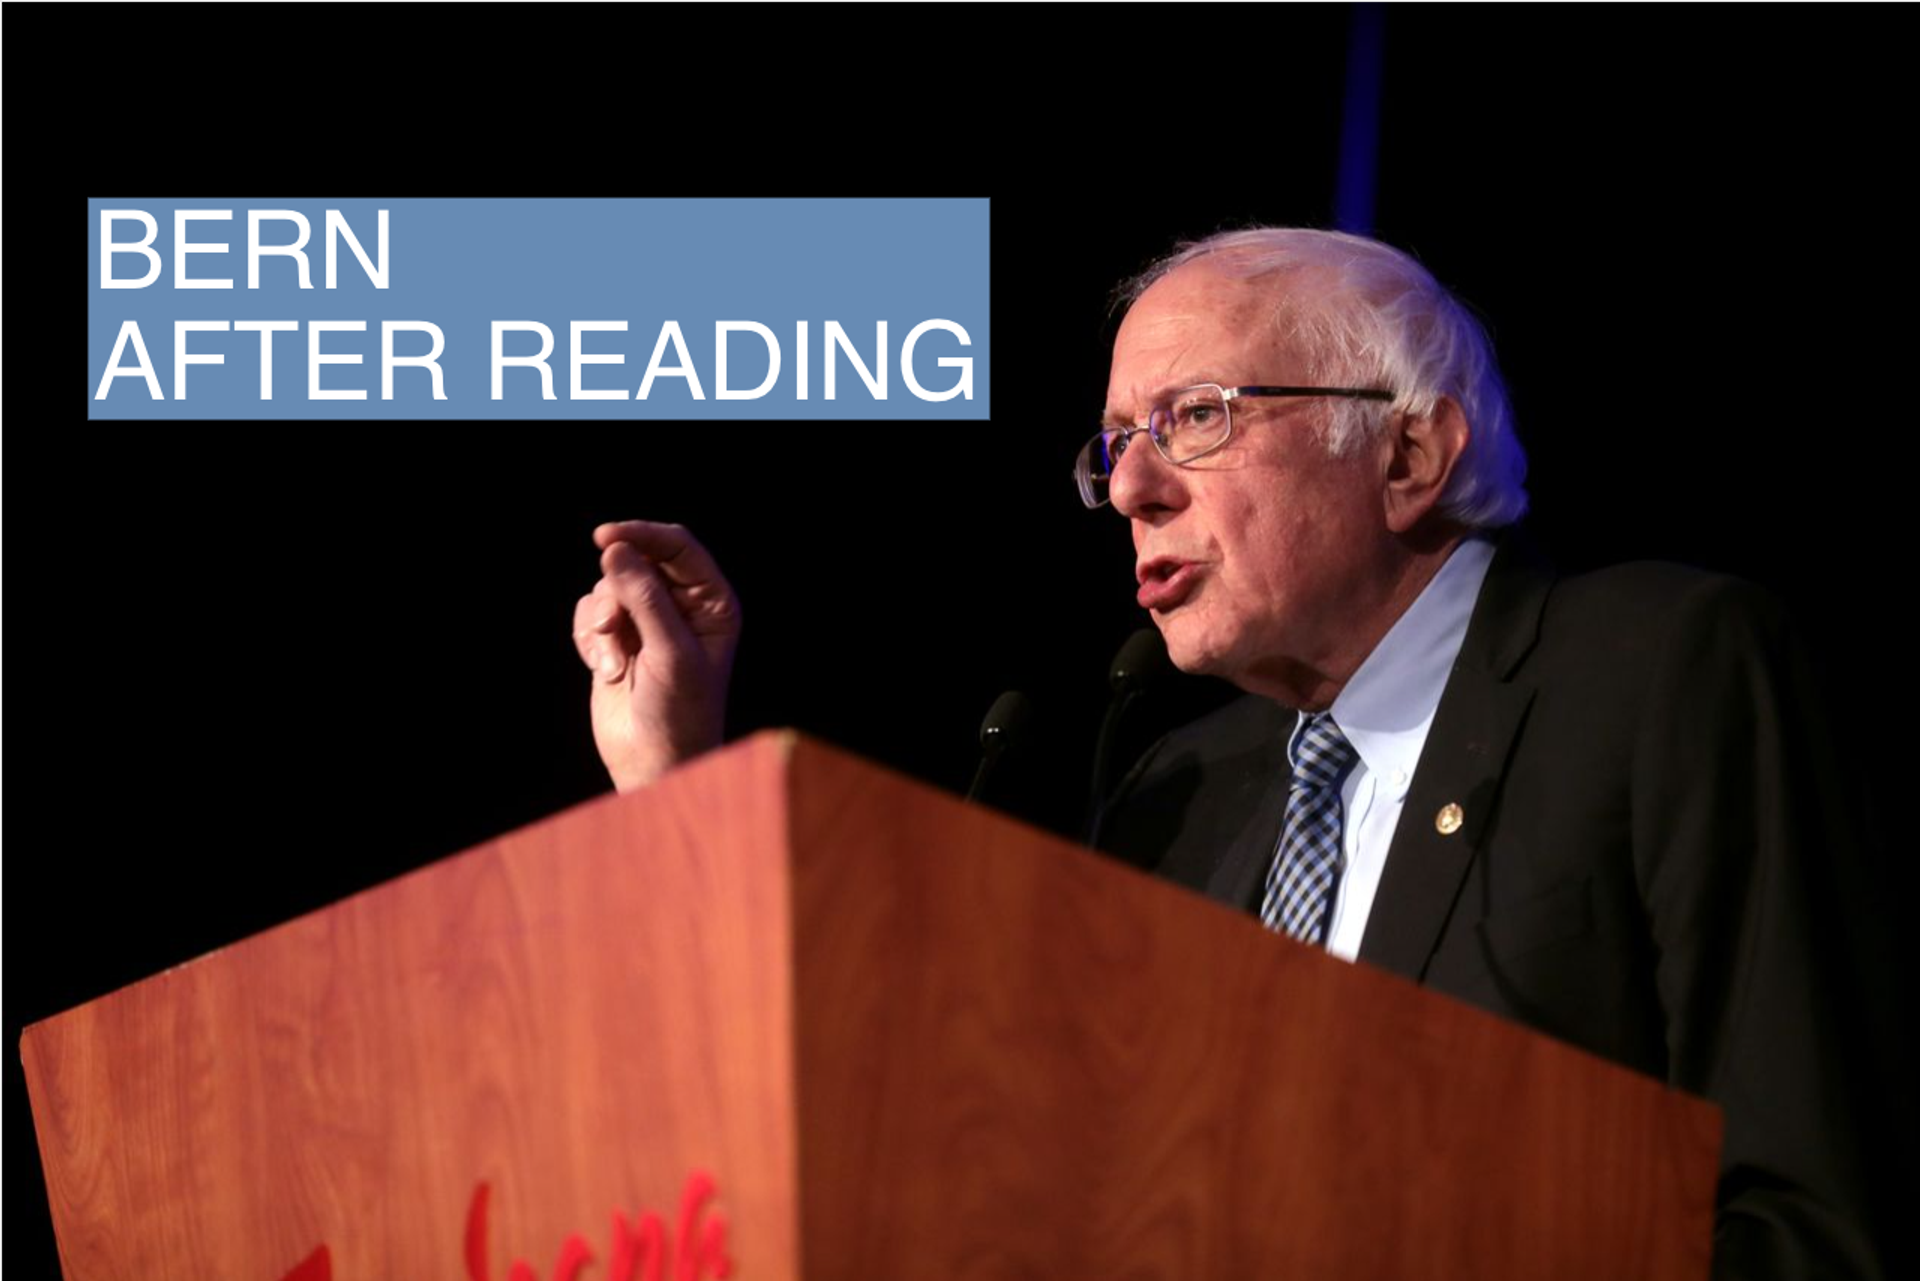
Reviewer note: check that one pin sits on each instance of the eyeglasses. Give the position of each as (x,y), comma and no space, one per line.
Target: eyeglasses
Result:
(1192,424)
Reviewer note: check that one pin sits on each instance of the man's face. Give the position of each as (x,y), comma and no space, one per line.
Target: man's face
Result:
(1263,561)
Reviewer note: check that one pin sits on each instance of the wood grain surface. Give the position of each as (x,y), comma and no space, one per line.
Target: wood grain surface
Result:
(1034,1063)
(579,1014)
(909,1038)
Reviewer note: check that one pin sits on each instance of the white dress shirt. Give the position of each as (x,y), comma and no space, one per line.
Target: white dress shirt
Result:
(1385,712)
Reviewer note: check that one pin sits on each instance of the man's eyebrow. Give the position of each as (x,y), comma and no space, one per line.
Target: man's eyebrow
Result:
(1111,417)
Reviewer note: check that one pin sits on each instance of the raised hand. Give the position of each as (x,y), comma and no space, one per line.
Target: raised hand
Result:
(658,633)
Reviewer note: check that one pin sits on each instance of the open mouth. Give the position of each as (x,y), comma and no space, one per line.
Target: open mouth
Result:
(1167,584)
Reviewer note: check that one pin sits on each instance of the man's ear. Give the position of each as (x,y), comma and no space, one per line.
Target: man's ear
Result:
(1422,454)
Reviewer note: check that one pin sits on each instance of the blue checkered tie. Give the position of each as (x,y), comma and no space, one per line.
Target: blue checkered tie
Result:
(1306,869)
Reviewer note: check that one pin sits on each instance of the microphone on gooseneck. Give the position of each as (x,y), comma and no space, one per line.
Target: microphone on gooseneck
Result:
(1006,722)
(1141,660)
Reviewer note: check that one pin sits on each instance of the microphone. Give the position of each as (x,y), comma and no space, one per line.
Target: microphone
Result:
(1006,722)
(1141,661)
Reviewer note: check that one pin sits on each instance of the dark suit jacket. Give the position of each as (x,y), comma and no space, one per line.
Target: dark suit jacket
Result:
(1649,801)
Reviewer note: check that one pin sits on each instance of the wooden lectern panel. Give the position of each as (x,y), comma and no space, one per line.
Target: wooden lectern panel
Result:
(579,1015)
(824,1021)
(1031,1063)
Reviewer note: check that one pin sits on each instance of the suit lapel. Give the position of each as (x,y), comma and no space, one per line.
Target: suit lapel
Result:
(1241,874)
(1461,765)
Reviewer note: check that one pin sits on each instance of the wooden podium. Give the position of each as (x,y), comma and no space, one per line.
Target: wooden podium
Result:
(787,1015)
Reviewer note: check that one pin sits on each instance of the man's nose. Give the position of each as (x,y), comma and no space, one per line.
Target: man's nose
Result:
(1143,483)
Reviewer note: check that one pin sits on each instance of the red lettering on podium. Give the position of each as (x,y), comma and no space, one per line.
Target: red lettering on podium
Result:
(645,1242)
(693,1257)
(639,1253)
(476,1238)
(317,1266)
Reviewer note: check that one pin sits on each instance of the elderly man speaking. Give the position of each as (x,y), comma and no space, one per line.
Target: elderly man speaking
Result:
(1597,805)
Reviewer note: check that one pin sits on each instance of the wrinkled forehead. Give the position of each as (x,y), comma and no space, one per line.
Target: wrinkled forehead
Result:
(1205,323)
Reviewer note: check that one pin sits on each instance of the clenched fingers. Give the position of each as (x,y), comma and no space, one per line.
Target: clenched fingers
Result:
(601,634)
(676,552)
(640,590)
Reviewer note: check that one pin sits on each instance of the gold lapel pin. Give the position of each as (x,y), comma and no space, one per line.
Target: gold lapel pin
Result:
(1449,819)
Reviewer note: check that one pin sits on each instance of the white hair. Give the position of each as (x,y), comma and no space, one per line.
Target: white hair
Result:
(1386,322)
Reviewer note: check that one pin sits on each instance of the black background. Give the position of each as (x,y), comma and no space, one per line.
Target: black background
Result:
(255,667)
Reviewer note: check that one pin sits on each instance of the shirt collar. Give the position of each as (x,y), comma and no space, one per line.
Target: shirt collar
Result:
(1385,709)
